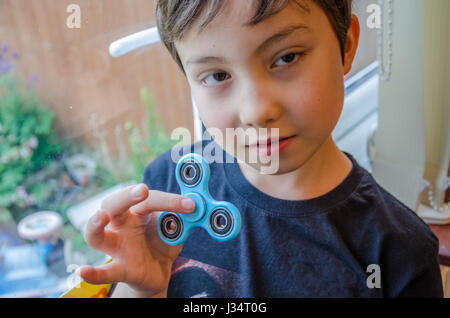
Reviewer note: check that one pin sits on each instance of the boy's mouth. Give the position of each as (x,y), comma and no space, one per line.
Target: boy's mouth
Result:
(268,147)
(268,141)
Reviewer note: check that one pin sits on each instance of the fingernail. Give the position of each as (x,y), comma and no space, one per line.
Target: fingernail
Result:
(97,218)
(188,204)
(137,192)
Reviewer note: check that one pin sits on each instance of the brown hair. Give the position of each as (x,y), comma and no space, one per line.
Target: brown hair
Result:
(174,17)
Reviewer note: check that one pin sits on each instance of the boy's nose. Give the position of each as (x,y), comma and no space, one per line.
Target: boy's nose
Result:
(259,107)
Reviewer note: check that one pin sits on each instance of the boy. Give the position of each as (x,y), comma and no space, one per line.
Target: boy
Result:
(318,227)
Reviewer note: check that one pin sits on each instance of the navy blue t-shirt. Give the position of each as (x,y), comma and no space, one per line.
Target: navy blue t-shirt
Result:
(355,241)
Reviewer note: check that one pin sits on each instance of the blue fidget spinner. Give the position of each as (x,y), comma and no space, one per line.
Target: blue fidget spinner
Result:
(221,219)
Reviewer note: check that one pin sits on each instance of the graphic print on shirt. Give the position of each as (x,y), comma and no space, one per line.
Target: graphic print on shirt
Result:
(215,281)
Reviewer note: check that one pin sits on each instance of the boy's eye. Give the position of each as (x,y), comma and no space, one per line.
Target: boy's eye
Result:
(287,59)
(215,79)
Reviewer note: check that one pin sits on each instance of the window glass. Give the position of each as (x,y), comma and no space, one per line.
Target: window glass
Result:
(77,124)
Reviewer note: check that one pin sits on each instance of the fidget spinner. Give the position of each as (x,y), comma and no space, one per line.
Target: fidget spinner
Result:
(221,219)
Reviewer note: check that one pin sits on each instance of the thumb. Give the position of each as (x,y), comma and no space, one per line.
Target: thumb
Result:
(103,274)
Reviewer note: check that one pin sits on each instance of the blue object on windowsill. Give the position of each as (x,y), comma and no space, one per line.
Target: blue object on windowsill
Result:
(25,267)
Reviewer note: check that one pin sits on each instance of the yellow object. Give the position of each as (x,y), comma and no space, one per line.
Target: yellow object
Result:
(86,290)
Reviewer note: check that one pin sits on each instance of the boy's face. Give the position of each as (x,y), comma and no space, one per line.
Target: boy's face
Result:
(294,83)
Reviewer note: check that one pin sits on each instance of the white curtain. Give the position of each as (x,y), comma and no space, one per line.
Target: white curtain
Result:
(413,139)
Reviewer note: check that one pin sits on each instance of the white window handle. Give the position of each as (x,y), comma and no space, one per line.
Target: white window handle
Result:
(134,41)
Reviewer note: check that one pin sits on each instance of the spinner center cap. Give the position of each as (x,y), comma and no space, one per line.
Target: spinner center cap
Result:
(200,208)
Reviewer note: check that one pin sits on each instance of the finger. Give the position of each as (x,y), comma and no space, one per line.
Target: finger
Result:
(118,203)
(96,235)
(103,274)
(163,201)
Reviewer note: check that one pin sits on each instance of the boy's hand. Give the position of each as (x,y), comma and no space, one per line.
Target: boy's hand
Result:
(139,257)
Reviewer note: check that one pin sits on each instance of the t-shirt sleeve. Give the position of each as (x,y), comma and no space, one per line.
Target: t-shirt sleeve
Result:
(426,281)
(412,264)
(427,284)
(407,251)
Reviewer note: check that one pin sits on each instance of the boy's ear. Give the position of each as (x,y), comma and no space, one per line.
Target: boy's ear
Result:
(351,44)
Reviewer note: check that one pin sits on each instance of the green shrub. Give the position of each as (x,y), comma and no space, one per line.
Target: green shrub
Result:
(28,141)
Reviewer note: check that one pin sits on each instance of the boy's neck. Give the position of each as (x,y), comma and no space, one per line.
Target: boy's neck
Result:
(323,172)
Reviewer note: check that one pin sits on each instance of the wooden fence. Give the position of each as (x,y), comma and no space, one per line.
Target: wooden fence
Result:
(77,76)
